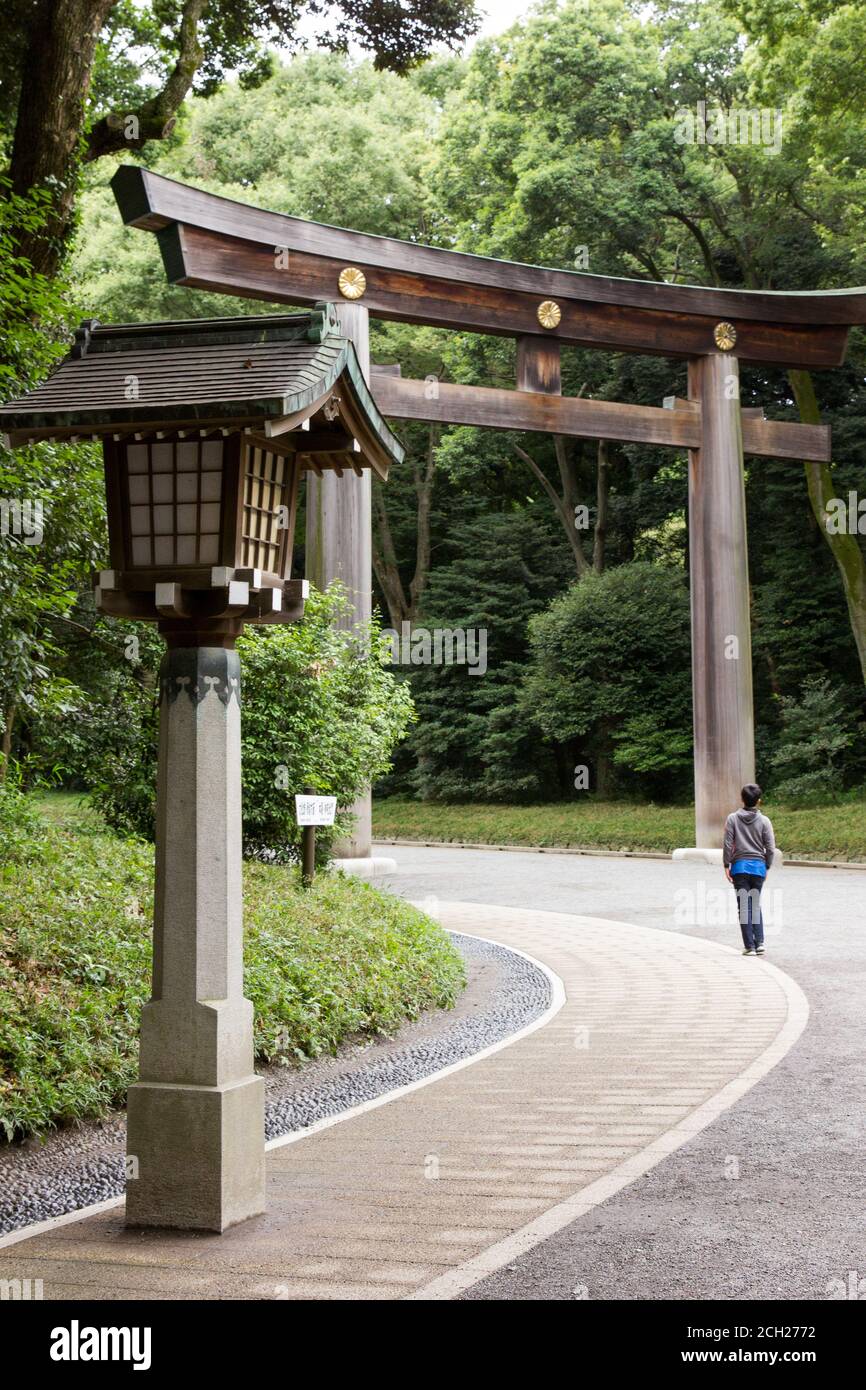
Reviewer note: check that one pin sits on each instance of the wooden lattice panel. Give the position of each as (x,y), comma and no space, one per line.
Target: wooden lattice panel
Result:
(266,499)
(175,497)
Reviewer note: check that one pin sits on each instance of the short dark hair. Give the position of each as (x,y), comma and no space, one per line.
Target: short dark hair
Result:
(751,795)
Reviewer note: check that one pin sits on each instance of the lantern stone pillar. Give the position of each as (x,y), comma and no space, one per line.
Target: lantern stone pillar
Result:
(724,723)
(195,1139)
(339,545)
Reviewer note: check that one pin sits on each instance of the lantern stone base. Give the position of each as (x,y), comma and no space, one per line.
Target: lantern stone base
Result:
(196,1154)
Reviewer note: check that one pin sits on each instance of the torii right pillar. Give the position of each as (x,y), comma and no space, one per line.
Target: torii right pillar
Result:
(724,721)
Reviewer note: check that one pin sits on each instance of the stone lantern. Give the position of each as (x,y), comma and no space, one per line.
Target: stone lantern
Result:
(206,428)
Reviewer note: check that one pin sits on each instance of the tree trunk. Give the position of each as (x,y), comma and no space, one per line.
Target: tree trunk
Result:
(51,112)
(385,562)
(565,504)
(424,490)
(563,507)
(844,547)
(773,673)
(604,775)
(6,747)
(49,143)
(571,498)
(602,488)
(402,607)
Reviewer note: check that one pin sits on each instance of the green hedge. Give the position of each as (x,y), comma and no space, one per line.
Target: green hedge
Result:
(837,831)
(75,912)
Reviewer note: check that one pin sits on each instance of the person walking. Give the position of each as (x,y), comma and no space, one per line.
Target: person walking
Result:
(748,854)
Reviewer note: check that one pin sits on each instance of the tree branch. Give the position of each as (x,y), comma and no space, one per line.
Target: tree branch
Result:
(130,130)
(699,237)
(566,517)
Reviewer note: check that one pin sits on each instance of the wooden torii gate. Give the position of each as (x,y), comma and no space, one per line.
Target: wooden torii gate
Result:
(213,243)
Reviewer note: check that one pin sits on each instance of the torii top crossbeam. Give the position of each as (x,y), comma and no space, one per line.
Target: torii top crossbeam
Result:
(211,242)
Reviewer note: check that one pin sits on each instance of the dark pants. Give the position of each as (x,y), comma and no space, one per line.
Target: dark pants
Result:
(748,889)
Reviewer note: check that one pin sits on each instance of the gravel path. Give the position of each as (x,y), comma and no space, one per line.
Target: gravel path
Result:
(78,1167)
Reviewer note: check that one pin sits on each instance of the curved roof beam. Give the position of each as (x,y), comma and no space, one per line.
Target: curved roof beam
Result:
(215,243)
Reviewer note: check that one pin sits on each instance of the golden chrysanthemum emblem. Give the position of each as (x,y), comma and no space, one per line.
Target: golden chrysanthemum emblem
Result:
(725,335)
(353,282)
(549,313)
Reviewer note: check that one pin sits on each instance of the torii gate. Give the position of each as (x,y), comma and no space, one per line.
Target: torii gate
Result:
(213,243)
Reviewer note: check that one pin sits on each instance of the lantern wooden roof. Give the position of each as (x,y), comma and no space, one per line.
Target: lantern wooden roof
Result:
(291,379)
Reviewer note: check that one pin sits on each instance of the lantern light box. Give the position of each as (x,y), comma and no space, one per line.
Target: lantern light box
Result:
(207,428)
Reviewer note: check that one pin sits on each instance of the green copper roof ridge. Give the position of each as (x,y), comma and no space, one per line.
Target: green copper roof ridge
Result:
(347,361)
(241,331)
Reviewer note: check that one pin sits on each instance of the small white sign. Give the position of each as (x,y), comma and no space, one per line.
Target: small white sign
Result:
(315,810)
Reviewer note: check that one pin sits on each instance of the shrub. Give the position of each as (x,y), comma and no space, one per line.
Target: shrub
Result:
(610,680)
(19,822)
(647,744)
(815,731)
(321,966)
(319,710)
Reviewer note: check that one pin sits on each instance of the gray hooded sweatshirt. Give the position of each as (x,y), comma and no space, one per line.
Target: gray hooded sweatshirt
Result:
(748,835)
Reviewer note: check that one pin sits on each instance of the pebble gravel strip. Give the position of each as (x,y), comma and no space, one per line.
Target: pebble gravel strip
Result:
(77,1168)
(523,995)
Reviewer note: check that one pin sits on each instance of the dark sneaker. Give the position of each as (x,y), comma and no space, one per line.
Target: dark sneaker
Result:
(748,952)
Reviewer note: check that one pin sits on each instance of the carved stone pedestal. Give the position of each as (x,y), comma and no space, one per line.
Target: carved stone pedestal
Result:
(196,1116)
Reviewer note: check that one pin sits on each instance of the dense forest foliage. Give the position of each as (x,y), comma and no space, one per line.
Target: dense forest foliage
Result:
(558,143)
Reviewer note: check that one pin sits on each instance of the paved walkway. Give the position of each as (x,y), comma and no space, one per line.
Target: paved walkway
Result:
(793,1223)
(651,1036)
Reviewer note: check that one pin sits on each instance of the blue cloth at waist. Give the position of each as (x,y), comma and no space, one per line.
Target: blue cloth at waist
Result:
(749,866)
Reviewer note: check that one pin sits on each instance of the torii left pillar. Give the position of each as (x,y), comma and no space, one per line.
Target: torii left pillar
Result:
(339,545)
(195,1131)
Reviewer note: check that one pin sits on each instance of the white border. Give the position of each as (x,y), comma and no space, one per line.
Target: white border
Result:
(51,1224)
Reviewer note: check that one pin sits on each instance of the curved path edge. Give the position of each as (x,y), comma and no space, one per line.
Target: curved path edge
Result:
(557,999)
(649,1037)
(456,1281)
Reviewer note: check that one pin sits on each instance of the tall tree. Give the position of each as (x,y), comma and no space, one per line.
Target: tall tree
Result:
(567,137)
(84,78)
(807,56)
